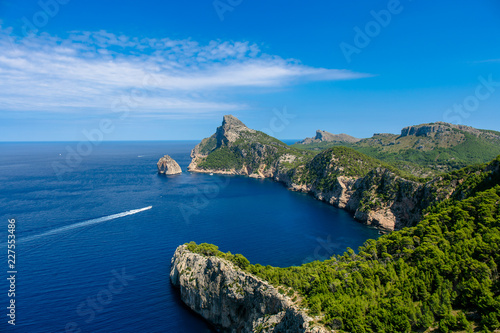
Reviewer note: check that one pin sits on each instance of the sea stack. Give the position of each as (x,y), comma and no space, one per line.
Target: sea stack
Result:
(168,166)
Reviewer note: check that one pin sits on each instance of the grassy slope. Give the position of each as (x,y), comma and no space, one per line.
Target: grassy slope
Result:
(423,155)
(325,167)
(241,152)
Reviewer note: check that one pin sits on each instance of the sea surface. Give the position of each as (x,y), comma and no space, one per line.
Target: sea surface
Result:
(96,230)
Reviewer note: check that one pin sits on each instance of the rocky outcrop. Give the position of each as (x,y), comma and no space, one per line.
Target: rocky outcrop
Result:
(442,127)
(324,136)
(423,130)
(234,300)
(380,199)
(168,166)
(231,130)
(257,154)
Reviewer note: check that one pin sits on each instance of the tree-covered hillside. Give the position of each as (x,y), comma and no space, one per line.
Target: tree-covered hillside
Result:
(443,273)
(440,275)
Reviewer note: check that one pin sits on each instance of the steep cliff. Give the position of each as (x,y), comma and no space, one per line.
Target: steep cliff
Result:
(438,276)
(413,279)
(236,149)
(234,300)
(433,129)
(375,193)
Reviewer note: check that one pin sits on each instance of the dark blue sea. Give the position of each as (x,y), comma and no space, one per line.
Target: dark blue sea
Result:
(95,234)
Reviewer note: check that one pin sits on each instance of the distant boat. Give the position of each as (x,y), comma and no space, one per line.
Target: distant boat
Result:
(211,174)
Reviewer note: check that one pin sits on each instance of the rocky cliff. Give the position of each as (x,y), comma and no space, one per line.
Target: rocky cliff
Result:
(339,176)
(442,127)
(324,136)
(239,150)
(168,166)
(234,300)
(375,194)
(373,191)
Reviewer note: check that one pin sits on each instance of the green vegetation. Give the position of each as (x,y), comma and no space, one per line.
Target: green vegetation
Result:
(472,150)
(425,155)
(473,179)
(250,150)
(208,144)
(324,169)
(441,274)
(213,251)
(321,145)
(222,158)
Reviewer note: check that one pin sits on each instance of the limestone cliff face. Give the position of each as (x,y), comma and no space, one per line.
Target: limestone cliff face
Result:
(231,130)
(426,130)
(380,199)
(168,166)
(233,300)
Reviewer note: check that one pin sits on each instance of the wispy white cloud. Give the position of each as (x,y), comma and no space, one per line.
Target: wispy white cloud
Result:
(485,61)
(92,70)
(490,60)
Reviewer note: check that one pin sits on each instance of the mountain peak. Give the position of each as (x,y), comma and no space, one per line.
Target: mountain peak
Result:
(324,136)
(230,130)
(230,121)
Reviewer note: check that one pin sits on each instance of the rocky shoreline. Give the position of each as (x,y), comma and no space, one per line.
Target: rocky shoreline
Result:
(380,199)
(234,300)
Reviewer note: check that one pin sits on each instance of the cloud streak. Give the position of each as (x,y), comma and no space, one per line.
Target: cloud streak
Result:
(91,70)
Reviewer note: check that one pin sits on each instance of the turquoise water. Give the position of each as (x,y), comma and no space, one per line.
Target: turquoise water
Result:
(95,242)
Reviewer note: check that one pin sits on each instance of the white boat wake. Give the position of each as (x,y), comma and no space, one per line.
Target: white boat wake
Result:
(83,224)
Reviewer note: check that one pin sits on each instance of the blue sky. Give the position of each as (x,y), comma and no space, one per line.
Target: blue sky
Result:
(166,70)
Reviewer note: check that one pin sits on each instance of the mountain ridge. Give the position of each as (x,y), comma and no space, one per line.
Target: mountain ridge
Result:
(376,193)
(324,136)
(426,150)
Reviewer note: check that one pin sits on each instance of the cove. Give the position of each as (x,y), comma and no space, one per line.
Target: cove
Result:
(63,274)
